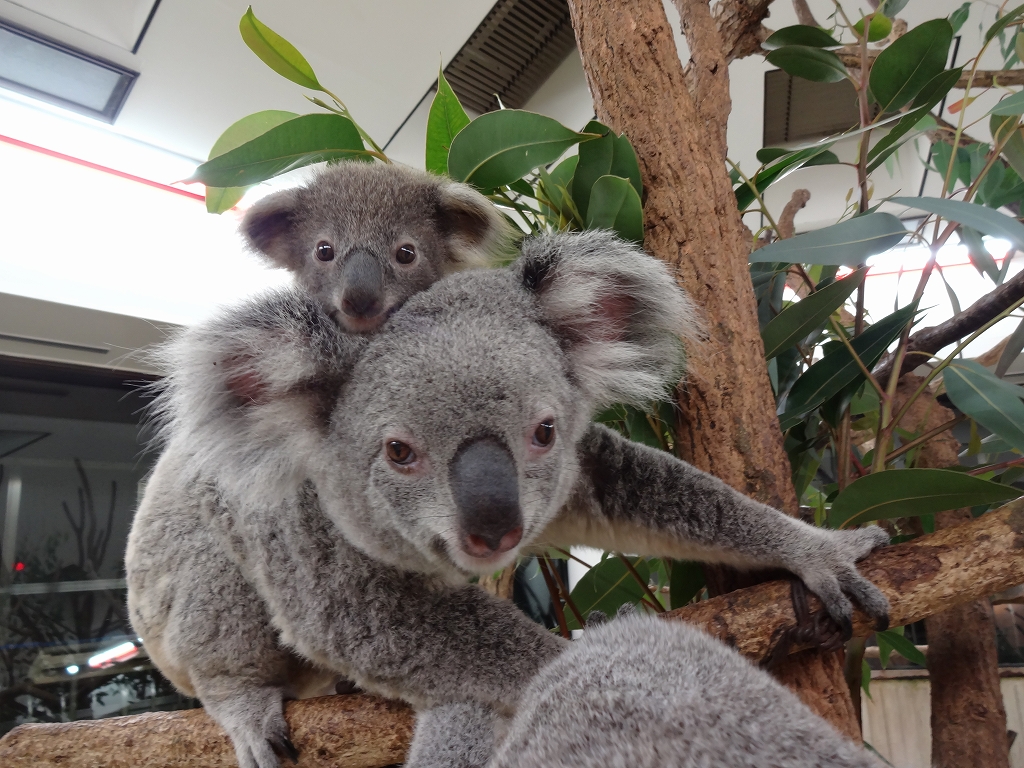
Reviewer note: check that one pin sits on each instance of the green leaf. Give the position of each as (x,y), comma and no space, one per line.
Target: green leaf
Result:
(609,155)
(556,187)
(220,199)
(878,29)
(639,428)
(809,63)
(903,69)
(884,649)
(808,314)
(978,253)
(800,34)
(686,582)
(846,243)
(499,147)
(781,166)
(445,120)
(911,492)
(615,205)
(276,52)
(891,7)
(1011,105)
(293,144)
(1018,45)
(1012,350)
(1004,21)
(979,217)
(959,16)
(837,369)
(895,639)
(930,95)
(1013,149)
(992,402)
(606,587)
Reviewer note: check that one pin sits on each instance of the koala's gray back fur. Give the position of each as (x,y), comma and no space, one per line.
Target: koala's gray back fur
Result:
(646,693)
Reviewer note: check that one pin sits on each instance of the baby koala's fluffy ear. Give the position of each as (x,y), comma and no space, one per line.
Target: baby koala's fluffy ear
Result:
(478,234)
(619,312)
(269,228)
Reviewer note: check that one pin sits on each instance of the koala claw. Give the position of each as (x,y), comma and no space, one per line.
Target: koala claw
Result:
(283,747)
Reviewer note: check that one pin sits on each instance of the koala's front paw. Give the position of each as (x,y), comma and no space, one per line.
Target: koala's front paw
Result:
(830,573)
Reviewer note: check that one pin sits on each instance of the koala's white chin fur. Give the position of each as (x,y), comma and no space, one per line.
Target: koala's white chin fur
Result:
(482,566)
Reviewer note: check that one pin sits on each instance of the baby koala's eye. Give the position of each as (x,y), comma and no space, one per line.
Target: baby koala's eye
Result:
(406,254)
(400,453)
(324,251)
(544,433)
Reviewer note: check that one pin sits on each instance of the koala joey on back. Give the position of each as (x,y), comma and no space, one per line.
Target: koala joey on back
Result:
(361,238)
(454,439)
(640,692)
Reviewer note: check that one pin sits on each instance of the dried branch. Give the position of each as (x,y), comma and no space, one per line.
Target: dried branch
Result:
(740,28)
(799,199)
(986,78)
(803,13)
(707,74)
(927,342)
(921,577)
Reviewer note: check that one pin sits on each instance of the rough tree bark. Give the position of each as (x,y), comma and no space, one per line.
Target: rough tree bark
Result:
(920,577)
(968,718)
(677,123)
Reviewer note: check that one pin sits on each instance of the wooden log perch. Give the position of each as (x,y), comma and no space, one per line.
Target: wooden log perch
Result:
(920,578)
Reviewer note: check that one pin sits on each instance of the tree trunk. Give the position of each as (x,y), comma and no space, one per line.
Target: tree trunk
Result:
(968,718)
(677,123)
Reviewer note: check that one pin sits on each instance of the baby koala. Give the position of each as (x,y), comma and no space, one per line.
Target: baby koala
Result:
(361,237)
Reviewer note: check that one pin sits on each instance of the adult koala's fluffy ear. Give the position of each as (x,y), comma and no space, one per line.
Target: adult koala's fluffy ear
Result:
(620,315)
(478,234)
(269,228)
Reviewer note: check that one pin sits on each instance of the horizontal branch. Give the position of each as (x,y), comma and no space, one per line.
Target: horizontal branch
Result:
(920,578)
(926,342)
(986,78)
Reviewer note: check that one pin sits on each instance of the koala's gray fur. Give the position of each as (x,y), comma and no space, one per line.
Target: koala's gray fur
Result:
(359,569)
(364,213)
(646,693)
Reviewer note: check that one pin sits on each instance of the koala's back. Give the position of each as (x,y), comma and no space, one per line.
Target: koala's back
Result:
(646,693)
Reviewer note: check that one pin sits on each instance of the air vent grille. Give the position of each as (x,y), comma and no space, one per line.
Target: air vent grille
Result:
(514,50)
(798,110)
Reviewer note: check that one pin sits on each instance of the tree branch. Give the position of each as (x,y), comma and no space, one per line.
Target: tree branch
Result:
(803,13)
(927,342)
(707,72)
(921,577)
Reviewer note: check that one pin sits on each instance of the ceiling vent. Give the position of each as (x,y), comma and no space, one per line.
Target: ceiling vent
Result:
(514,50)
(800,110)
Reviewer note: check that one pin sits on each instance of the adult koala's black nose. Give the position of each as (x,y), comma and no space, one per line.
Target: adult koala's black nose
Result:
(363,293)
(485,485)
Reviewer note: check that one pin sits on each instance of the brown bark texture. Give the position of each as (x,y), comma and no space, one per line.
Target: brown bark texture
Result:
(933,573)
(968,719)
(330,732)
(677,121)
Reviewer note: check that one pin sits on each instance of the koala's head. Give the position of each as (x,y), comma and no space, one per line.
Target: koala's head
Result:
(361,238)
(454,443)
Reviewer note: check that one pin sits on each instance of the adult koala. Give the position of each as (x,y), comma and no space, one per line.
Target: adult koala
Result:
(459,436)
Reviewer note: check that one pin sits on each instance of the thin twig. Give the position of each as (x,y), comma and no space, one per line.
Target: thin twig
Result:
(640,580)
(556,604)
(997,467)
(908,446)
(565,592)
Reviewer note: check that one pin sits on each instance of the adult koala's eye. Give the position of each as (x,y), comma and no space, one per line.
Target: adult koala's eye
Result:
(406,254)
(545,433)
(324,251)
(400,453)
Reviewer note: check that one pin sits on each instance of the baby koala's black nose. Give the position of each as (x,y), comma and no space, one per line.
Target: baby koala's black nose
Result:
(485,484)
(362,294)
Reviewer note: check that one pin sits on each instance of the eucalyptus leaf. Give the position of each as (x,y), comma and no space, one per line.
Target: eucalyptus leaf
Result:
(615,205)
(446,118)
(220,199)
(276,52)
(606,587)
(978,217)
(992,402)
(895,639)
(903,68)
(1011,105)
(912,492)
(959,16)
(293,144)
(808,314)
(609,155)
(1013,149)
(499,147)
(1004,21)
(556,187)
(891,7)
(800,34)
(846,243)
(808,62)
(978,253)
(1012,350)
(686,582)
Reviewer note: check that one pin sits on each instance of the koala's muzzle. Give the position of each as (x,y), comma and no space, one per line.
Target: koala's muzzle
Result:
(485,485)
(362,297)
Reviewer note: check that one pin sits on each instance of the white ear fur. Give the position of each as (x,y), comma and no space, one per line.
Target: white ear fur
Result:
(478,234)
(621,315)
(248,393)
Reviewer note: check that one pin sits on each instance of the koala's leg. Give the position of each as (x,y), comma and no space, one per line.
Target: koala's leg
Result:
(460,735)
(252,714)
(630,496)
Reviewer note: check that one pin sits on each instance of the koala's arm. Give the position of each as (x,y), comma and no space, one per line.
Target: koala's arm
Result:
(631,498)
